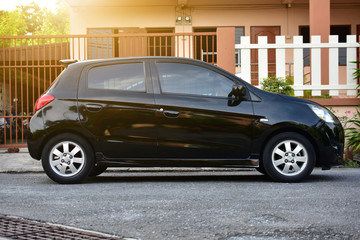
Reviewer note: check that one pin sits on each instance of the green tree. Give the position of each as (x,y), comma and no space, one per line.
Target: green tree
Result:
(33,20)
(12,24)
(56,23)
(353,133)
(277,85)
(33,16)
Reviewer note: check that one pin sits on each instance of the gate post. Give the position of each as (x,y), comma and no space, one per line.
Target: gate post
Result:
(226,48)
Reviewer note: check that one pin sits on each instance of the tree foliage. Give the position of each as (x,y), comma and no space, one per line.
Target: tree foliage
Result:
(277,85)
(33,20)
(12,24)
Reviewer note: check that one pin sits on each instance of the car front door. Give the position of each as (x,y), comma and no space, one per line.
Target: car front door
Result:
(116,106)
(196,115)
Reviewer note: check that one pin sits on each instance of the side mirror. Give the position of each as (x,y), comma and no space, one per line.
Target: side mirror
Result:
(238,91)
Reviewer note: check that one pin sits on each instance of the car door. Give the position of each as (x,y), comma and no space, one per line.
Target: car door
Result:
(116,106)
(196,115)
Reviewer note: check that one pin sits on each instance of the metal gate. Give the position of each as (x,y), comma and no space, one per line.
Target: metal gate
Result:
(30,64)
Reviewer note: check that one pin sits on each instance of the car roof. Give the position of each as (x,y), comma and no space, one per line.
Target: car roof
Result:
(111,60)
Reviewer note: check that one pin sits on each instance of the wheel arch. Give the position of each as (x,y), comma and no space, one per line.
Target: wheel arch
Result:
(300,131)
(66,131)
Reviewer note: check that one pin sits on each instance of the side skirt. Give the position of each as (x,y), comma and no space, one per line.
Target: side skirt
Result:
(176,162)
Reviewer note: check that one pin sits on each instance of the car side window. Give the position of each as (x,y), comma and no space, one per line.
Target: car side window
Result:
(125,77)
(180,78)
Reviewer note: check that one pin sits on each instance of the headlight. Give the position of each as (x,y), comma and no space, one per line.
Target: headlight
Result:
(322,113)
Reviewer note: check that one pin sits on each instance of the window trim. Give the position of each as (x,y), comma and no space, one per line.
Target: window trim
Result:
(116,90)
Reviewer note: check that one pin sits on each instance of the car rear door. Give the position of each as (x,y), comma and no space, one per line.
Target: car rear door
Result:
(116,105)
(196,118)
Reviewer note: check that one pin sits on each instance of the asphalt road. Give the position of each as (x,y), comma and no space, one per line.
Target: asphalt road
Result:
(193,205)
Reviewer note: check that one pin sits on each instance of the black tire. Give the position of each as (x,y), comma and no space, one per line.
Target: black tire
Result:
(67,158)
(97,170)
(288,157)
(261,169)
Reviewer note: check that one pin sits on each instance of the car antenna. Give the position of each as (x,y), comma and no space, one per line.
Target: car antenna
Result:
(67,62)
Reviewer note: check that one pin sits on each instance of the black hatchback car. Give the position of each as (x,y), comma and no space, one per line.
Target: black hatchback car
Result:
(175,112)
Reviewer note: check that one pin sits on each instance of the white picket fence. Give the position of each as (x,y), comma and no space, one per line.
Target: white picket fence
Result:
(298,62)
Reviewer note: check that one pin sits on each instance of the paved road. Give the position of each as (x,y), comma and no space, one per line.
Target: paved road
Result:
(193,205)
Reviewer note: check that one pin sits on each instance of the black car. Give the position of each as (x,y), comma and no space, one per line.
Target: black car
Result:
(175,112)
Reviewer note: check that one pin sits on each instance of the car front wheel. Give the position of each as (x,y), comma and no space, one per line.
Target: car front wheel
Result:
(288,157)
(67,158)
(97,170)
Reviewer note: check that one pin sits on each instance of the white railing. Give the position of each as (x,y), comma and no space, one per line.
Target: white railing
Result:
(294,53)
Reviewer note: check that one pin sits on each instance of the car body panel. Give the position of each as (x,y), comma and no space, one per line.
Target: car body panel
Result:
(203,127)
(122,122)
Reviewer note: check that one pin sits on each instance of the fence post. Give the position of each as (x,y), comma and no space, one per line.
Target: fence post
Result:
(350,65)
(226,48)
(245,59)
(263,59)
(280,57)
(298,66)
(334,65)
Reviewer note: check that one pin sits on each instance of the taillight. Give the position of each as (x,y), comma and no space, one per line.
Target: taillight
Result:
(43,101)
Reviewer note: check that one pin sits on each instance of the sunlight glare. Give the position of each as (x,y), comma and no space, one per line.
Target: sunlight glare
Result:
(11,5)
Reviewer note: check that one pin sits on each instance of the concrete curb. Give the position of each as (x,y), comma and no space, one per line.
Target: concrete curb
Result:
(18,162)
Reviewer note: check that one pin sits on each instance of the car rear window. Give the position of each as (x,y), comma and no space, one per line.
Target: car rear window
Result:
(125,77)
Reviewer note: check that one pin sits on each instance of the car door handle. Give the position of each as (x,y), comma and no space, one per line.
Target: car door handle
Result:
(171,114)
(93,107)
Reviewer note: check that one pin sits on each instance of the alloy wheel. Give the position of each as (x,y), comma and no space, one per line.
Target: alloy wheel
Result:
(289,157)
(67,158)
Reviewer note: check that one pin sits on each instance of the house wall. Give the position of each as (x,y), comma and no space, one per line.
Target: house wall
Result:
(82,18)
(211,15)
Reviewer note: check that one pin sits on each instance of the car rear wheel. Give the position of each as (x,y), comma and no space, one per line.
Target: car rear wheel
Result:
(288,157)
(67,158)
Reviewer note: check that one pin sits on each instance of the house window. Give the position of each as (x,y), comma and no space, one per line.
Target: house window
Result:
(100,47)
(341,31)
(239,32)
(305,32)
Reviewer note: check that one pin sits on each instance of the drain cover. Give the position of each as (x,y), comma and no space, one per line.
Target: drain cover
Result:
(19,228)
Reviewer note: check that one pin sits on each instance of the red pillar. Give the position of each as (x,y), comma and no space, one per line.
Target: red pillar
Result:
(226,48)
(319,12)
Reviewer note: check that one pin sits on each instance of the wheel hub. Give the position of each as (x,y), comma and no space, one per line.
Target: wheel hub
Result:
(67,159)
(289,157)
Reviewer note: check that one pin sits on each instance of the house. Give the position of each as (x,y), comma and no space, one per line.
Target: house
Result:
(248,17)
(256,18)
(251,18)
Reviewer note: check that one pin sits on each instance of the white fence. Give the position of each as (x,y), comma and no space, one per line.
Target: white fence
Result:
(294,51)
